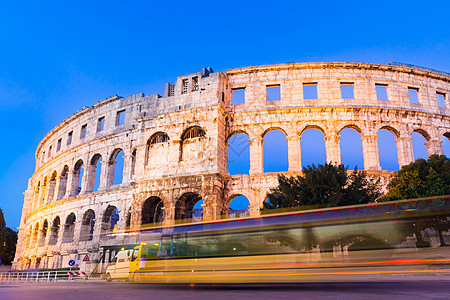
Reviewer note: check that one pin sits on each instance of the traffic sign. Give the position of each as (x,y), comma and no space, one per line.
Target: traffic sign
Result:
(71,262)
(86,258)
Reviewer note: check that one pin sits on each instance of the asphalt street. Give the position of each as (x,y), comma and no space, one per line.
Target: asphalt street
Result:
(409,287)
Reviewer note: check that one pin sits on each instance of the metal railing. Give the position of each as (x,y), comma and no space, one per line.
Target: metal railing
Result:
(42,276)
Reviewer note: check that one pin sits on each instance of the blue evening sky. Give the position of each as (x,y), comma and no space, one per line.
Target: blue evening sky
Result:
(58,56)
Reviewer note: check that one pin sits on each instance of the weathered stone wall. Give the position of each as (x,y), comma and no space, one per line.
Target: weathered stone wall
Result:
(175,148)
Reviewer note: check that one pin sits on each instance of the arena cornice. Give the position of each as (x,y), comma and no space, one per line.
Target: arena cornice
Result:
(415,70)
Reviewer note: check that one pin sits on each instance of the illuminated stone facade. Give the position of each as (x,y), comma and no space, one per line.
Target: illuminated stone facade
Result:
(175,147)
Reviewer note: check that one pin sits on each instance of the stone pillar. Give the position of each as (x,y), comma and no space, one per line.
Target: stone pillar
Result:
(169,214)
(103,175)
(333,149)
(370,152)
(40,196)
(84,181)
(254,210)
(294,153)
(61,186)
(434,147)
(256,155)
(126,172)
(51,191)
(88,183)
(69,184)
(109,170)
(405,151)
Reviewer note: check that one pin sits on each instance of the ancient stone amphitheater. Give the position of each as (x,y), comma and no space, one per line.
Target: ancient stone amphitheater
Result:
(175,148)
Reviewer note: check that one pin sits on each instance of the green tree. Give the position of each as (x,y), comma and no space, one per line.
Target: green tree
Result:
(423,178)
(8,241)
(327,185)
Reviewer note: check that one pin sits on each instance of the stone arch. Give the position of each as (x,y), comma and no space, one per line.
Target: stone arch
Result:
(152,210)
(423,133)
(54,232)
(95,170)
(275,150)
(387,148)
(87,225)
(69,228)
(392,130)
(78,173)
(351,126)
(351,147)
(157,150)
(184,207)
(44,232)
(273,128)
(190,145)
(234,132)
(241,210)
(313,149)
(110,219)
(313,126)
(446,144)
(419,140)
(193,132)
(115,174)
(62,187)
(238,153)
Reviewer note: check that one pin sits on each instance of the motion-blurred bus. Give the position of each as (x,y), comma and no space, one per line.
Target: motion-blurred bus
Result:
(321,244)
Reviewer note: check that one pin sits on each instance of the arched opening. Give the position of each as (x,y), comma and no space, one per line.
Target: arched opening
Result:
(157,152)
(133,162)
(239,207)
(387,150)
(191,146)
(152,211)
(239,154)
(62,183)
(312,147)
(51,187)
(95,173)
(54,231)
(78,177)
(128,219)
(184,208)
(69,228)
(109,220)
(197,211)
(351,149)
(446,144)
(43,233)
(115,171)
(418,143)
(275,152)
(87,226)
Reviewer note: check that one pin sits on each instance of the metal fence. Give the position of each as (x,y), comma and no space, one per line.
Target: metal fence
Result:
(43,276)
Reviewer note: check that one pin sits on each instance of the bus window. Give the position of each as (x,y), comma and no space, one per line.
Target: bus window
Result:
(135,254)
